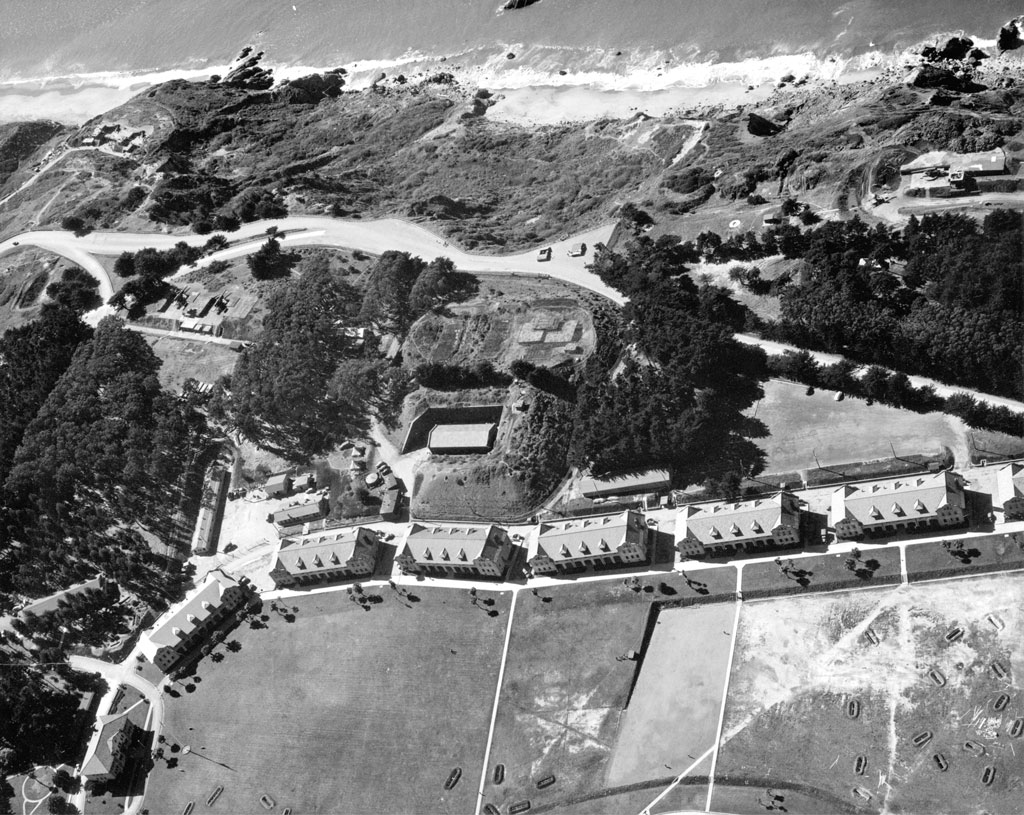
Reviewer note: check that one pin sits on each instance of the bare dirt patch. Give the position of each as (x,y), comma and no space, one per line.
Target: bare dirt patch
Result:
(205,362)
(801,662)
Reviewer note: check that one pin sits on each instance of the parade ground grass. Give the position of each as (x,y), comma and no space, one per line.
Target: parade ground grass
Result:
(576,706)
(803,427)
(330,708)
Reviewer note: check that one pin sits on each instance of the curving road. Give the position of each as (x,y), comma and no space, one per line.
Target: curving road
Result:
(124,673)
(376,237)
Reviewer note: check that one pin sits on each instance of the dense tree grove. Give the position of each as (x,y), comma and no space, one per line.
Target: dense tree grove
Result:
(104,451)
(34,355)
(280,388)
(390,285)
(677,401)
(39,722)
(942,299)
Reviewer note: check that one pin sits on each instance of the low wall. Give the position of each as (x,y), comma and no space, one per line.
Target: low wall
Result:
(420,427)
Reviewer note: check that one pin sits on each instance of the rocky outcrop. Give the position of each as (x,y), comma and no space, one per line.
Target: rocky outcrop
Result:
(760,126)
(444,208)
(933,76)
(311,89)
(1010,36)
(249,74)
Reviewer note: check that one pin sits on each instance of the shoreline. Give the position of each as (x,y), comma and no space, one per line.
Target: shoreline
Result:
(531,88)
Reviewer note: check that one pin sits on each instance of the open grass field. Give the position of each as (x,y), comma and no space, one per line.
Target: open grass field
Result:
(563,711)
(672,717)
(24,275)
(564,691)
(184,359)
(341,710)
(803,426)
(800,662)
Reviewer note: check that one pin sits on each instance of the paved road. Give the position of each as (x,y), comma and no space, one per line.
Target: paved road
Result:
(375,236)
(123,673)
(778,348)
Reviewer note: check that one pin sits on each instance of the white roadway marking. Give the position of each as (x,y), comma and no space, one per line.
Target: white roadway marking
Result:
(679,780)
(497,698)
(725,696)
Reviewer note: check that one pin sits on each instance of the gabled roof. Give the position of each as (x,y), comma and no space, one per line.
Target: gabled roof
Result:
(99,757)
(1010,482)
(733,521)
(647,481)
(325,552)
(576,538)
(299,514)
(278,483)
(182,620)
(452,544)
(896,499)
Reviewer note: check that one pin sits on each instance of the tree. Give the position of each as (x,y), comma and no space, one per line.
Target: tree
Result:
(438,284)
(77,290)
(634,219)
(281,386)
(269,261)
(388,291)
(72,223)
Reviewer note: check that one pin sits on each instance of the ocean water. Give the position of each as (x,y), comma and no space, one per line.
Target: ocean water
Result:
(51,47)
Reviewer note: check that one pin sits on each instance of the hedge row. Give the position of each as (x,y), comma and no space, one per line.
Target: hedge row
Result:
(893,388)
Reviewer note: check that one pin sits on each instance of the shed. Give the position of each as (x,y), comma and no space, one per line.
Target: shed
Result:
(279,485)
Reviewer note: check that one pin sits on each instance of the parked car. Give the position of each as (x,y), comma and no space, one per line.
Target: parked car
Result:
(544,254)
(940,762)
(974,748)
(453,778)
(577,250)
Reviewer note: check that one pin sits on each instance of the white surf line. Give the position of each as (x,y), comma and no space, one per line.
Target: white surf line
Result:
(725,697)
(494,710)
(679,780)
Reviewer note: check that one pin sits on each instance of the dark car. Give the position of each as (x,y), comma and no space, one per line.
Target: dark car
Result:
(1016,728)
(491,809)
(989,775)
(499,773)
(860,765)
(940,762)
(545,782)
(853,708)
(453,778)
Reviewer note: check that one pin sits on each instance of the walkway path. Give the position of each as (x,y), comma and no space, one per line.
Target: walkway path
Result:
(497,698)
